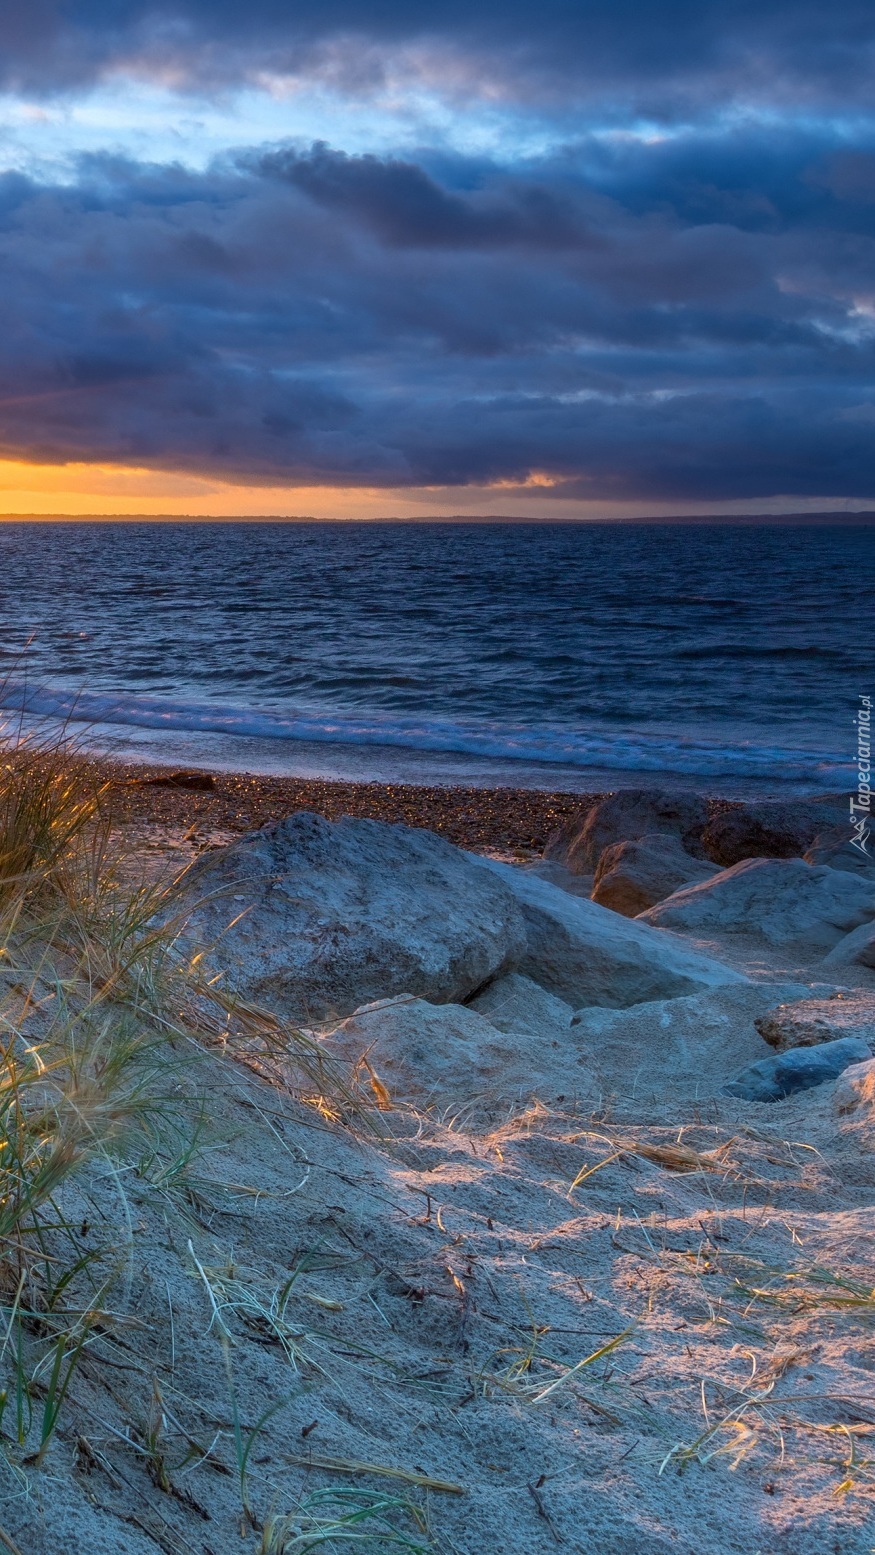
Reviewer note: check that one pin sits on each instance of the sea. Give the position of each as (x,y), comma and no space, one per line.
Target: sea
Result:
(727,658)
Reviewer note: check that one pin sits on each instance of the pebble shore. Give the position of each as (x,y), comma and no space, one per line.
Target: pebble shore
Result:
(506,819)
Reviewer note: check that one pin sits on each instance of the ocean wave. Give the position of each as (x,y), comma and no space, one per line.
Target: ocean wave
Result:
(550,745)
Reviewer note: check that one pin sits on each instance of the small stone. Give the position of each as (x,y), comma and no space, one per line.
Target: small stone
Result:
(200,782)
(799,1069)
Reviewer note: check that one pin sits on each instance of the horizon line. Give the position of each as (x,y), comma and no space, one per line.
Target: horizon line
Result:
(852,518)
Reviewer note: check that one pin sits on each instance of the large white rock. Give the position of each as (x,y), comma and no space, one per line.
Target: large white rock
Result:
(450,1056)
(783,901)
(587,954)
(632,876)
(335,914)
(674,1051)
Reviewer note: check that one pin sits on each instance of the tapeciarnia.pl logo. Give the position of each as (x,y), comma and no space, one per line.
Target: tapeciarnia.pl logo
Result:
(861,804)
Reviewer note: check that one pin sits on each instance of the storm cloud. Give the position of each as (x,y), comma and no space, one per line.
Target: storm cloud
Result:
(685,314)
(658,58)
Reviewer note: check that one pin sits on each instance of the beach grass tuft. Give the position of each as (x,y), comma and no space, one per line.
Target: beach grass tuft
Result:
(104,1022)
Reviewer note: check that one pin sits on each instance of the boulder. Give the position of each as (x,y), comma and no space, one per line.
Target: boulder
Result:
(854,1094)
(632,876)
(834,847)
(808,1022)
(855,950)
(516,1003)
(783,901)
(671,1052)
(800,1069)
(586,954)
(333,914)
(767,829)
(624,817)
(447,1055)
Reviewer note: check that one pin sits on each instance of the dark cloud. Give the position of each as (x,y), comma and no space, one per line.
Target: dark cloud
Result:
(406,207)
(689,314)
(656,56)
(689,319)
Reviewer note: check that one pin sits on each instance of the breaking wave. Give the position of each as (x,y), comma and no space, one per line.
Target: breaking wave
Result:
(603,748)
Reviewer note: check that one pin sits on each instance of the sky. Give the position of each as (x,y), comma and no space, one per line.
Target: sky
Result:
(585,258)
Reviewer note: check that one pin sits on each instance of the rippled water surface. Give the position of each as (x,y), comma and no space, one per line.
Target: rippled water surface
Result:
(520,653)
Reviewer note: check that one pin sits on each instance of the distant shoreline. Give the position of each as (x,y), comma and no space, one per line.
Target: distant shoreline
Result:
(836,520)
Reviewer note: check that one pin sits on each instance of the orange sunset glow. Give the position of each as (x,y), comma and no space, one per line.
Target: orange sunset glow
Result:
(109,491)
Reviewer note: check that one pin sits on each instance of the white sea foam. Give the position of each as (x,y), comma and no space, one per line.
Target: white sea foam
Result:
(604,749)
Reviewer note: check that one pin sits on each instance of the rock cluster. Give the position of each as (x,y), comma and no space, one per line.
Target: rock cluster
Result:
(586,954)
(445,975)
(626,817)
(769,829)
(317,918)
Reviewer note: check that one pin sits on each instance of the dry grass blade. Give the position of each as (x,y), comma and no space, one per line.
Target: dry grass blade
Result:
(671,1157)
(597,1355)
(740,1436)
(679,1158)
(516,1377)
(386,1470)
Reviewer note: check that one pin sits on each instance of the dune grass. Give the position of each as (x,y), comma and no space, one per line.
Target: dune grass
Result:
(104,1019)
(335,1515)
(88,1072)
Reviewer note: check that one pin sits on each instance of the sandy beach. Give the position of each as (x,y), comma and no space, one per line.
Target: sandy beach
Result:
(466,1205)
